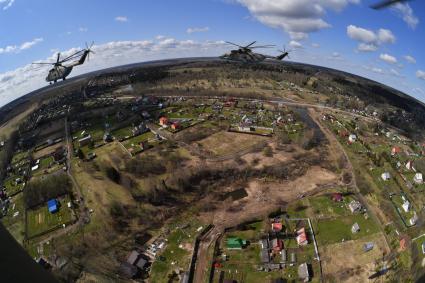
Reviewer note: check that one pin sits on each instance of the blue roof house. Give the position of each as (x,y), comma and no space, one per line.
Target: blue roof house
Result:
(53,205)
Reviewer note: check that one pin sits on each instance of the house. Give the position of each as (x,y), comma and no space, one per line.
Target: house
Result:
(59,154)
(175,125)
(85,140)
(368,246)
(277,227)
(409,165)
(355,228)
(283,256)
(107,137)
(355,206)
(414,219)
(406,206)
(302,237)
(277,245)
(395,150)
(386,176)
(133,257)
(418,179)
(303,273)
(163,121)
(337,197)
(53,205)
(234,243)
(35,167)
(352,138)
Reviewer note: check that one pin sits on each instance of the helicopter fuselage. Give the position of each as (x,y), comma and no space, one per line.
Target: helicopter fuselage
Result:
(58,72)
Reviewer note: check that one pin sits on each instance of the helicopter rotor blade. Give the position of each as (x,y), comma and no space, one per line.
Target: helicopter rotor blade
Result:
(59,55)
(228,42)
(263,46)
(42,63)
(246,47)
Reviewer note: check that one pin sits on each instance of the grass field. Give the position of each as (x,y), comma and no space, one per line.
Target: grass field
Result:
(11,186)
(334,230)
(176,254)
(41,220)
(14,219)
(19,156)
(133,144)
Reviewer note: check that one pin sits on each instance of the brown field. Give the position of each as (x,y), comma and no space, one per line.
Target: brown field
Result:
(347,262)
(226,143)
(48,150)
(265,197)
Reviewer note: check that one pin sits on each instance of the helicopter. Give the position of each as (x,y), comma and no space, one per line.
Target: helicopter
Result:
(245,54)
(61,71)
(386,3)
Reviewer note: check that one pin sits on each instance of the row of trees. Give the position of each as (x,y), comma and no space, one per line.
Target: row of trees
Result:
(40,191)
(6,153)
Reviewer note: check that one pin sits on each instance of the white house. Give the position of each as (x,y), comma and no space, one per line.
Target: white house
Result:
(409,165)
(386,176)
(355,228)
(406,206)
(418,179)
(414,219)
(352,138)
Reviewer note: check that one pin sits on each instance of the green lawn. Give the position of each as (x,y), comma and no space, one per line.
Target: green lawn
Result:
(398,202)
(123,132)
(173,255)
(11,186)
(330,231)
(14,221)
(19,156)
(41,220)
(324,206)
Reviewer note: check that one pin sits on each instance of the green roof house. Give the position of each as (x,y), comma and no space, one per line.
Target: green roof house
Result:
(235,243)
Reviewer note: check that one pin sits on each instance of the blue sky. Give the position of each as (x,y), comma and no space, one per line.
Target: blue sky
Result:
(342,34)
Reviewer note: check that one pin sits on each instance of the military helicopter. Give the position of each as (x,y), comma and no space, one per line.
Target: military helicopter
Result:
(386,3)
(61,71)
(245,54)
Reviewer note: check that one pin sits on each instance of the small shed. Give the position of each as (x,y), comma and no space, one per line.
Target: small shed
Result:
(303,273)
(355,228)
(386,176)
(418,179)
(53,205)
(368,246)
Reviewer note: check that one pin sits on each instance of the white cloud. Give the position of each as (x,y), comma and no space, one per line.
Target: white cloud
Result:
(18,48)
(388,58)
(377,70)
(361,34)
(315,45)
(410,59)
(159,37)
(366,47)
(295,44)
(6,4)
(122,19)
(370,40)
(15,83)
(406,13)
(197,29)
(385,36)
(83,29)
(420,74)
(296,17)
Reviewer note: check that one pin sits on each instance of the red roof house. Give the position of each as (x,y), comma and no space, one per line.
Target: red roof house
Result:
(395,150)
(277,227)
(337,197)
(175,126)
(302,237)
(163,121)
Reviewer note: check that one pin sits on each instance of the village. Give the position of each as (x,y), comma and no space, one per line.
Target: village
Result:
(102,162)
